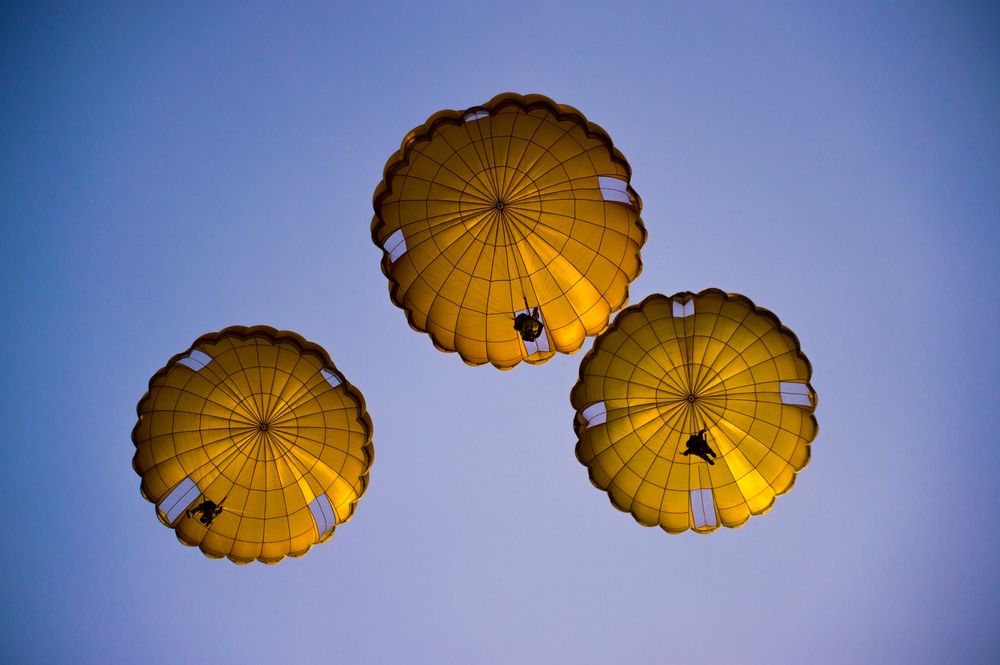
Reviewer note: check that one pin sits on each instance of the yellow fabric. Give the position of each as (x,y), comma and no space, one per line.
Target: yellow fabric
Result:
(261,430)
(662,377)
(502,209)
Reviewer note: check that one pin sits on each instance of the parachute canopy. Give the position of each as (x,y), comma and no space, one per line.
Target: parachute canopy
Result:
(252,445)
(509,231)
(694,411)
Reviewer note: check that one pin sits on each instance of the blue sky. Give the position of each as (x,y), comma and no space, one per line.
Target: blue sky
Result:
(167,171)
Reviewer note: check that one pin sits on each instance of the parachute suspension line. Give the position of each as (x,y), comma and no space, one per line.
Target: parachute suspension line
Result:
(523,278)
(250,460)
(691,408)
(513,270)
(528,324)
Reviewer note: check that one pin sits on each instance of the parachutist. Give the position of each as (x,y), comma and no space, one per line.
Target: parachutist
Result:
(529,325)
(697,445)
(208,511)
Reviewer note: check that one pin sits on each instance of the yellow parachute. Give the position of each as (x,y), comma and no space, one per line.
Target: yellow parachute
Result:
(694,411)
(509,230)
(252,445)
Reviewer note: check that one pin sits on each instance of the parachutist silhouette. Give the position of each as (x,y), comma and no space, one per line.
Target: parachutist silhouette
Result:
(208,511)
(697,445)
(529,325)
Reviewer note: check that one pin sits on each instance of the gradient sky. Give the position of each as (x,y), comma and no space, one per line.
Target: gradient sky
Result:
(169,170)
